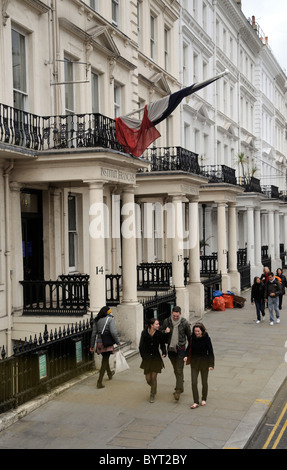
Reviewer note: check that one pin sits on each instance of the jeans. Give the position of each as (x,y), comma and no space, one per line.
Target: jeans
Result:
(194,378)
(176,358)
(273,302)
(260,305)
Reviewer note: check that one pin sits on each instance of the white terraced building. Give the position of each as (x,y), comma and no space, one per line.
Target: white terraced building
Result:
(71,238)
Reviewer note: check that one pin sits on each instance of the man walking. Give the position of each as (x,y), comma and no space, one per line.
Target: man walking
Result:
(178,334)
(272,292)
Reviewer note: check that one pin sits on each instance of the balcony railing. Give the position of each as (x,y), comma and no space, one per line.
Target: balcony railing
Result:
(219,174)
(250,184)
(56,132)
(271,191)
(172,159)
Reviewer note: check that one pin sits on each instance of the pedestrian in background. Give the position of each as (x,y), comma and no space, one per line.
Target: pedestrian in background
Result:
(257,297)
(151,340)
(104,321)
(265,275)
(200,356)
(178,334)
(280,275)
(272,292)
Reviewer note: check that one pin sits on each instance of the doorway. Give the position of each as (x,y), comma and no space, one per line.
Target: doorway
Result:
(32,234)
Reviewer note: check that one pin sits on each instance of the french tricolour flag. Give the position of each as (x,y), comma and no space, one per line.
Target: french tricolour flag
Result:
(136,135)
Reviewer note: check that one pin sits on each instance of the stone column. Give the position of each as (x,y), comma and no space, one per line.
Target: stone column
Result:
(177,244)
(277,239)
(271,250)
(195,286)
(250,235)
(129,259)
(129,318)
(234,275)
(97,246)
(285,232)
(221,245)
(257,236)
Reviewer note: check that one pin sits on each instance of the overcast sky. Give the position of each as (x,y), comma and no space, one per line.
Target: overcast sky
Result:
(272,19)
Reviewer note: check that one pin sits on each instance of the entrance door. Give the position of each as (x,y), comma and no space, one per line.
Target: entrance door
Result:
(32,234)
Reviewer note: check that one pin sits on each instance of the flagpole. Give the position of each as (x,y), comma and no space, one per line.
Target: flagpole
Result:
(226,71)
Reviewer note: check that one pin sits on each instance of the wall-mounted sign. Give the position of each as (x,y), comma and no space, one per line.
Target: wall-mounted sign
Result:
(79,352)
(42,366)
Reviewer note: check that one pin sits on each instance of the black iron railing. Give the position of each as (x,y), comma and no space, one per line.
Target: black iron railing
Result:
(69,295)
(35,132)
(271,191)
(172,159)
(219,174)
(211,283)
(208,264)
(39,365)
(159,306)
(250,184)
(154,276)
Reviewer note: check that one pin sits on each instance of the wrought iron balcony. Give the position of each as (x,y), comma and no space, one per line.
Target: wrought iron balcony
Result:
(271,191)
(219,174)
(35,132)
(250,184)
(172,159)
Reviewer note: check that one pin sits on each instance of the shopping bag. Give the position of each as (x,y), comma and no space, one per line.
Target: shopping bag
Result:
(121,363)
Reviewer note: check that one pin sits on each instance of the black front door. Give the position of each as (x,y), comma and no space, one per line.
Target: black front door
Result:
(32,234)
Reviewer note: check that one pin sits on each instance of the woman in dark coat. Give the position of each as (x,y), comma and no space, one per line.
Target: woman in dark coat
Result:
(104,319)
(257,296)
(200,356)
(151,340)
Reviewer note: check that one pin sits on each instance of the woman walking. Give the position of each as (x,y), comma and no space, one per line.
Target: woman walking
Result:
(151,340)
(257,297)
(280,275)
(201,358)
(104,321)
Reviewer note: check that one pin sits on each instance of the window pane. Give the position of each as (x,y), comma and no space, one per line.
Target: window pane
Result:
(72,212)
(69,88)
(19,61)
(95,93)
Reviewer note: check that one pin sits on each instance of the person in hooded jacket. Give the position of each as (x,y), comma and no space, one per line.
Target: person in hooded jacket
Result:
(257,297)
(280,275)
(200,356)
(99,323)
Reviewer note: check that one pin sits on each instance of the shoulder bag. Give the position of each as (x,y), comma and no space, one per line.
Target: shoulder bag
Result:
(106,336)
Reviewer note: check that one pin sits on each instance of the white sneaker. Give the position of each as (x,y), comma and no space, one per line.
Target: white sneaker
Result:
(271,323)
(258,321)
(278,320)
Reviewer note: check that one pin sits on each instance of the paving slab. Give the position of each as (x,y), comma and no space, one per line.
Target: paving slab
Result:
(250,367)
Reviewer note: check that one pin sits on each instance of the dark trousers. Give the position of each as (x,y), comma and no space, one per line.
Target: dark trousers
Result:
(176,358)
(194,379)
(105,366)
(260,306)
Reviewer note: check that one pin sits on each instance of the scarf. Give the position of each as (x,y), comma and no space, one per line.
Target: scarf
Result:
(174,337)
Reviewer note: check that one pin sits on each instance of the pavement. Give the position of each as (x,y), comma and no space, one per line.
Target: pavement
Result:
(250,367)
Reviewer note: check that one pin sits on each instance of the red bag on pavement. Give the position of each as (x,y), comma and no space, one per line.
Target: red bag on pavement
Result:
(218,303)
(228,299)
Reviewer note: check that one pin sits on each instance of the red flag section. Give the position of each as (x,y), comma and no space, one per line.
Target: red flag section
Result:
(135,141)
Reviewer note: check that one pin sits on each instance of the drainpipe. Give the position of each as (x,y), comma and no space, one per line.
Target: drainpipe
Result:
(6,174)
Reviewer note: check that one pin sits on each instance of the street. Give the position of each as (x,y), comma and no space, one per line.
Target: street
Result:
(272,432)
